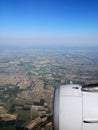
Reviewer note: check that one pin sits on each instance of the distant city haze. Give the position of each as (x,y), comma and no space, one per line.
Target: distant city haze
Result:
(49,23)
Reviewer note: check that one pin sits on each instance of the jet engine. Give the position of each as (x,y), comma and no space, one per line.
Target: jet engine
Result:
(76,107)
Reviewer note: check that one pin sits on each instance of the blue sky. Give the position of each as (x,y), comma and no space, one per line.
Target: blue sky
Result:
(49,22)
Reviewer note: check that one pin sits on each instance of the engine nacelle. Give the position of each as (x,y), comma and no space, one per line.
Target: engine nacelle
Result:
(76,107)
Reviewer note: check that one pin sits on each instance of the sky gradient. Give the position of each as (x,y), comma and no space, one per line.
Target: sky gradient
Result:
(49,22)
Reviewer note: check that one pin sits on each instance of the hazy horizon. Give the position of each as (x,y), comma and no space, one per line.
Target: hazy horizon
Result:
(49,23)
